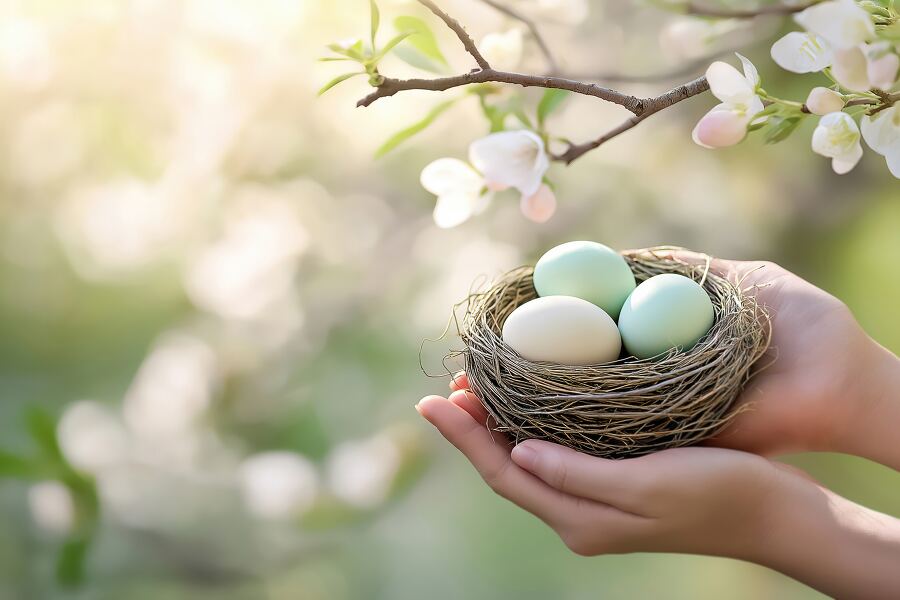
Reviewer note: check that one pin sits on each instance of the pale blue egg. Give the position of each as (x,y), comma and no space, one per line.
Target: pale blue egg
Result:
(664,312)
(585,270)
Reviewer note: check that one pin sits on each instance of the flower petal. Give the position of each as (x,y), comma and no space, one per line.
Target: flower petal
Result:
(845,163)
(511,158)
(727,84)
(540,206)
(842,23)
(750,72)
(448,175)
(882,131)
(720,128)
(882,71)
(801,52)
(893,163)
(851,70)
(454,208)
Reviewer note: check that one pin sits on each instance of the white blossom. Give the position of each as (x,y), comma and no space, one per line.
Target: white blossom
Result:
(802,52)
(503,50)
(882,133)
(277,485)
(726,124)
(837,137)
(822,101)
(52,507)
(458,188)
(511,159)
(842,23)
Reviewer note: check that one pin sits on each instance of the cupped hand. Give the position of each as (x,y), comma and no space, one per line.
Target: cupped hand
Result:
(713,501)
(695,500)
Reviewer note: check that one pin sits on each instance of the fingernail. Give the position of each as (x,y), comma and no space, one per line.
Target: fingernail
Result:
(524,456)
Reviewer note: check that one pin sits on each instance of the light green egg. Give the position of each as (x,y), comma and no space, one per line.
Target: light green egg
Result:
(664,312)
(585,270)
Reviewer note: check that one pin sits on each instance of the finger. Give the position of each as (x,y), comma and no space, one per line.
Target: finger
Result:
(459,381)
(470,403)
(493,462)
(613,482)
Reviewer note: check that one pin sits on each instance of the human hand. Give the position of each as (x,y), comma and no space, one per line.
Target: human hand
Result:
(826,385)
(692,500)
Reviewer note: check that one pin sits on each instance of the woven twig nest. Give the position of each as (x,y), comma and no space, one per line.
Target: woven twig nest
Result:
(624,408)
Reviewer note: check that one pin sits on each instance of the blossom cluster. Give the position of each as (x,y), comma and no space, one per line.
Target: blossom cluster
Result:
(843,41)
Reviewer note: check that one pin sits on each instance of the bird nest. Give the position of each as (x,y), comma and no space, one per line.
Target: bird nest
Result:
(624,408)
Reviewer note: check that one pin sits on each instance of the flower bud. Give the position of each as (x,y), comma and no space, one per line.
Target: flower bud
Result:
(822,101)
(882,71)
(720,128)
(540,206)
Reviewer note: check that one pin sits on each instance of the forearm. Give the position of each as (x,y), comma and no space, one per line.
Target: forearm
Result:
(874,415)
(838,547)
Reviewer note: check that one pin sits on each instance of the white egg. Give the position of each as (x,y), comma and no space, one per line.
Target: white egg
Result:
(564,330)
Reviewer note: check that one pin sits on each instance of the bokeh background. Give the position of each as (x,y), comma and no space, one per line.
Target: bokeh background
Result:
(212,296)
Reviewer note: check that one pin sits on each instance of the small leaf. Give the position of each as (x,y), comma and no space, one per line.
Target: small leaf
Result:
(376,19)
(404,134)
(390,45)
(337,80)
(354,50)
(70,561)
(413,57)
(423,39)
(13,465)
(778,128)
(550,101)
(333,59)
(42,428)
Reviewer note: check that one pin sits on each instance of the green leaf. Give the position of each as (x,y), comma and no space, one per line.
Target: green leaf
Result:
(354,50)
(550,101)
(42,428)
(496,115)
(778,128)
(376,19)
(15,466)
(413,57)
(404,134)
(70,561)
(337,80)
(390,45)
(334,59)
(423,39)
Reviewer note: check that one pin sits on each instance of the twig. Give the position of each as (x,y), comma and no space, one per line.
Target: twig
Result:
(460,31)
(701,10)
(391,86)
(651,107)
(532,28)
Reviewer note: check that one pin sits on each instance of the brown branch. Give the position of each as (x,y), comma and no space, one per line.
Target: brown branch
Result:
(701,10)
(460,31)
(532,29)
(390,86)
(651,107)
(641,108)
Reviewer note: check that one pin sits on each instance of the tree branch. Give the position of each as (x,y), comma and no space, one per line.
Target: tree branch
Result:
(460,31)
(701,10)
(390,86)
(641,108)
(532,29)
(651,107)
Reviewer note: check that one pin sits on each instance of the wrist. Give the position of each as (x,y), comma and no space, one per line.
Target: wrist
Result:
(872,415)
(838,547)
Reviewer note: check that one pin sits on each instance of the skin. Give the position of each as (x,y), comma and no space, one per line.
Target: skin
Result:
(828,387)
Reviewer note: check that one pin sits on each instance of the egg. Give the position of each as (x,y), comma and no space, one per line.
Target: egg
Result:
(564,330)
(664,312)
(585,270)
